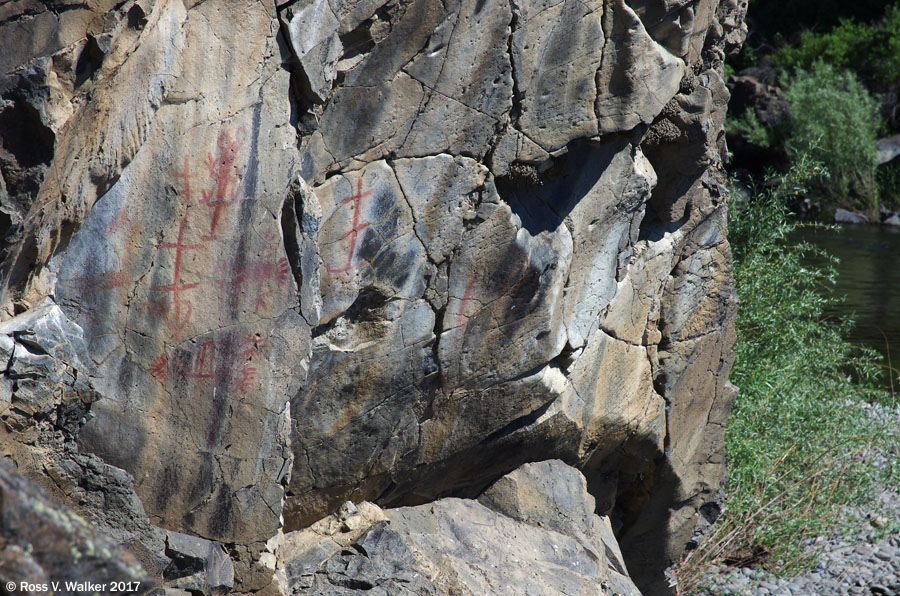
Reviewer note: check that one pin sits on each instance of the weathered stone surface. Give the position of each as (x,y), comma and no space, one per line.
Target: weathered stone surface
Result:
(630,60)
(537,534)
(261,260)
(848,217)
(557,50)
(43,542)
(198,565)
(887,149)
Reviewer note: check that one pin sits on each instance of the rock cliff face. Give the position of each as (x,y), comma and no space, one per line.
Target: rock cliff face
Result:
(261,260)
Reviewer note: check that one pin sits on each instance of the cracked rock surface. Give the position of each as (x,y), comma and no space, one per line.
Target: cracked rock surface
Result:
(263,259)
(532,532)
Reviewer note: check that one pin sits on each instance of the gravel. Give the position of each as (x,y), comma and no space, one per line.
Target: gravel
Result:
(866,561)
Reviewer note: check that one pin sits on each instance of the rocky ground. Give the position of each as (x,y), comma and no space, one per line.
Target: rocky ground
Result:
(865,560)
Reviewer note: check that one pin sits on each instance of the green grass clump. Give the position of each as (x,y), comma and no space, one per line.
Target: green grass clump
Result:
(888,180)
(797,439)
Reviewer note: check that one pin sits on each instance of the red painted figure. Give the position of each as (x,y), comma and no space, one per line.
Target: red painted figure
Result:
(182,307)
(353,232)
(223,171)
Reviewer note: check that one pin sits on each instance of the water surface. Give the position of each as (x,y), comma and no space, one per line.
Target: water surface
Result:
(869,278)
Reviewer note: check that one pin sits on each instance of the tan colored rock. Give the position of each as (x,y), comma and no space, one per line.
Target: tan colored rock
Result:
(533,532)
(263,260)
(630,59)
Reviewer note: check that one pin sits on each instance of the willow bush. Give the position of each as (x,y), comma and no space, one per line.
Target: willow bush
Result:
(798,437)
(834,120)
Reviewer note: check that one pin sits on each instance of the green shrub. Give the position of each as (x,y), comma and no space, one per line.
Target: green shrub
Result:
(842,47)
(834,117)
(872,50)
(887,48)
(797,432)
(749,126)
(888,179)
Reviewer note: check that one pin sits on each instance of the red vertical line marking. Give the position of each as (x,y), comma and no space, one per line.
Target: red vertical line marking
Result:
(176,286)
(220,170)
(461,314)
(353,233)
(201,368)
(186,176)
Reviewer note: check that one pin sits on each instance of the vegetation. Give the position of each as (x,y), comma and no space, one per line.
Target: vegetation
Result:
(838,64)
(749,126)
(871,50)
(797,437)
(779,19)
(835,120)
(887,178)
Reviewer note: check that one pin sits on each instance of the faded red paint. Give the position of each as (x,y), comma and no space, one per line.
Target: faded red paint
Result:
(186,176)
(246,377)
(251,345)
(355,227)
(157,307)
(117,223)
(272,242)
(226,175)
(178,311)
(202,363)
(160,367)
(106,280)
(215,360)
(262,277)
(461,317)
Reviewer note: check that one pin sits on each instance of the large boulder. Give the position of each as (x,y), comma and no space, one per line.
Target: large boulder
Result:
(261,259)
(46,546)
(532,532)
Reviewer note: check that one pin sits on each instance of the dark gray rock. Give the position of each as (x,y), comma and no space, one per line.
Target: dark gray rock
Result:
(887,149)
(848,217)
(43,542)
(528,542)
(198,565)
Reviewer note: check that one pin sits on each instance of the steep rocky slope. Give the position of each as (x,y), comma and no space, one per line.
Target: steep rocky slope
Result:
(261,260)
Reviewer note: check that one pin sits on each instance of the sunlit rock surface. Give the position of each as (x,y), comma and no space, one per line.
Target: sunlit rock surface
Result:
(261,260)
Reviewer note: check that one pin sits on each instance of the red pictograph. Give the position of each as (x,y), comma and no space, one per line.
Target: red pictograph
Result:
(227,360)
(353,232)
(178,312)
(250,346)
(202,363)
(461,317)
(159,368)
(118,222)
(106,280)
(186,176)
(226,175)
(222,361)
(262,277)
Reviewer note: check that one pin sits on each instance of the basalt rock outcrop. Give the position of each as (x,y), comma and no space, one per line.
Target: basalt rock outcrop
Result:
(260,260)
(532,532)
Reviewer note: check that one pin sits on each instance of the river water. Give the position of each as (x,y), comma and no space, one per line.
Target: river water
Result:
(869,278)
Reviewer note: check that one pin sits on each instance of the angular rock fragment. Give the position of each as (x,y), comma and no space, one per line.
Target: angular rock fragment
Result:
(44,543)
(521,537)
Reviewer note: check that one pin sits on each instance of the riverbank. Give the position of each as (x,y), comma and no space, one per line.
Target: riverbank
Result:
(863,559)
(889,219)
